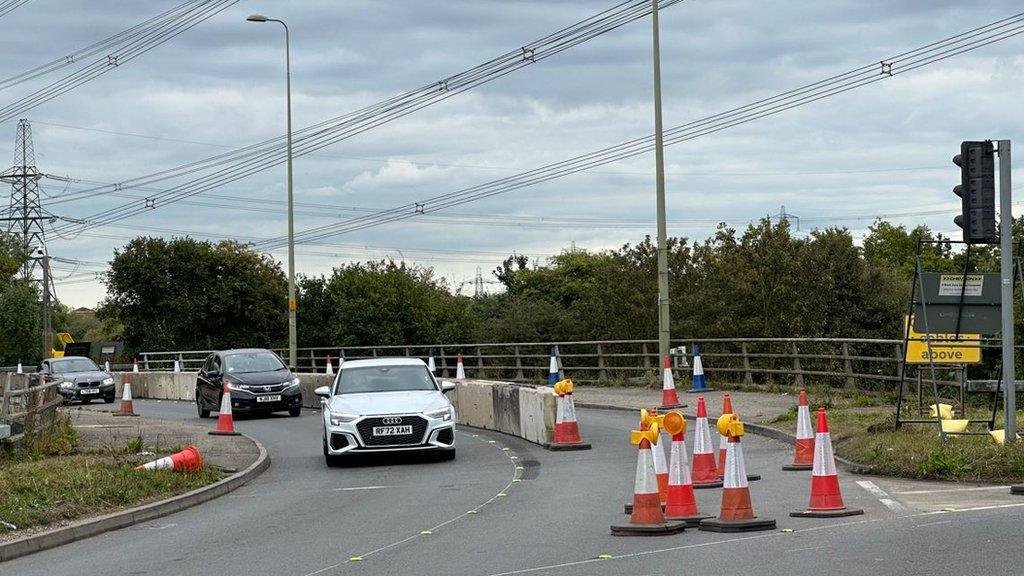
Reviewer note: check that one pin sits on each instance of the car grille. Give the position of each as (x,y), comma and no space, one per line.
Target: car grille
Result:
(365,428)
(95,384)
(268,389)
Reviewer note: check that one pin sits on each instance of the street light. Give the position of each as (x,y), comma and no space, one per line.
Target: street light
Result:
(292,337)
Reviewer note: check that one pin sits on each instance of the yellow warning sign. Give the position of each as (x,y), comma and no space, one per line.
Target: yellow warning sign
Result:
(966,350)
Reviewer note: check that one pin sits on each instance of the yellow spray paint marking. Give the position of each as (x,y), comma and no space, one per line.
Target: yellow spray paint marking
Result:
(949,509)
(786,530)
(514,457)
(502,494)
(426,533)
(505,449)
(516,480)
(492,441)
(356,559)
(471,512)
(519,467)
(604,557)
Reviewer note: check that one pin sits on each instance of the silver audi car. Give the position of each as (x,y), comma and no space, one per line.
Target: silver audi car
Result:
(386,405)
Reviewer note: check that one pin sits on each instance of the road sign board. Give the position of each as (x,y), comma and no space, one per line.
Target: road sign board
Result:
(976,311)
(945,348)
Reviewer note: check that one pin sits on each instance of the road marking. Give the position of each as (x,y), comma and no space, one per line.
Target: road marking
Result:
(353,488)
(937,522)
(882,496)
(807,549)
(976,489)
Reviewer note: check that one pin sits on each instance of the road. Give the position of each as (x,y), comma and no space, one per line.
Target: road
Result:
(550,516)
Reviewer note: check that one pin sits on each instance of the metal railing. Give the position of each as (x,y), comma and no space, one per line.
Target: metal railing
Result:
(837,361)
(27,402)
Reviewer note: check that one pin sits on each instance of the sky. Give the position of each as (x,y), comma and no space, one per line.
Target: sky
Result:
(882,149)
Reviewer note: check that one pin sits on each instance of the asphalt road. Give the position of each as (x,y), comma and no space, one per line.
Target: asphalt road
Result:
(505,506)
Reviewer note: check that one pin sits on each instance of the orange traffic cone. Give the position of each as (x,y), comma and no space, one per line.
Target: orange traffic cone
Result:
(460,370)
(135,365)
(703,471)
(188,459)
(669,398)
(647,518)
(329,369)
(225,421)
(826,498)
(127,409)
(737,514)
(681,504)
(723,443)
(803,459)
(567,429)
(660,464)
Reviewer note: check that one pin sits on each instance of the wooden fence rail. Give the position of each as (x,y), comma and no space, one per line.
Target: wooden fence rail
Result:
(27,403)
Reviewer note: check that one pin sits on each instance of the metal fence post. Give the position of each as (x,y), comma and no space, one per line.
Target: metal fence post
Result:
(748,378)
(444,363)
(602,374)
(798,372)
(145,361)
(519,364)
(5,407)
(851,382)
(647,358)
(480,364)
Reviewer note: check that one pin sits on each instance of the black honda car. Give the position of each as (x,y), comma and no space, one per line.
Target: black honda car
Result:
(259,382)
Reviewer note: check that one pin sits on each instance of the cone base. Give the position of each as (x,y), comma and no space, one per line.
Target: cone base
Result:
(224,433)
(691,521)
(121,414)
(628,508)
(1019,489)
(753,477)
(648,529)
(671,407)
(752,525)
(564,447)
(826,513)
(715,484)
(795,467)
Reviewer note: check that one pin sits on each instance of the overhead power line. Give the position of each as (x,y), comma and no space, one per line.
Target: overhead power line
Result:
(8,5)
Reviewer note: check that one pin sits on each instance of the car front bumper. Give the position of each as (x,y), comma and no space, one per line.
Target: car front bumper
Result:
(72,394)
(243,401)
(353,438)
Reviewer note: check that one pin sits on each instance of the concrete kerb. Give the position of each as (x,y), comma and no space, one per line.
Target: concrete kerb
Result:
(94,526)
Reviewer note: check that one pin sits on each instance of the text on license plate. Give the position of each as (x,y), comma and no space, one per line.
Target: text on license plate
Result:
(271,398)
(391,430)
(89,391)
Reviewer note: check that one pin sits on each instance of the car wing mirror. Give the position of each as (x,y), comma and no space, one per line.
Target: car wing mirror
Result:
(447,386)
(323,392)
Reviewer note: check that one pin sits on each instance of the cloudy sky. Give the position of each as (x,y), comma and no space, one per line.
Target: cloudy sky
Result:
(883,149)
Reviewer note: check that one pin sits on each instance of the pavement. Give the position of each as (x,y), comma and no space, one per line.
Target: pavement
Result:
(505,507)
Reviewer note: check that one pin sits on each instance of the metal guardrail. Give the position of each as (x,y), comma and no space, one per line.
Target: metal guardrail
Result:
(837,361)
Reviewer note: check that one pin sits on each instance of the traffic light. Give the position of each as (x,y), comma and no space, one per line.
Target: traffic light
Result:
(977,192)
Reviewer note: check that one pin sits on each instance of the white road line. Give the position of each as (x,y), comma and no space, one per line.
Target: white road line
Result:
(353,488)
(882,495)
(936,523)
(807,549)
(940,491)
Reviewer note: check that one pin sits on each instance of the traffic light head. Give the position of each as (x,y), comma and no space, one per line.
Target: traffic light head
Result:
(977,192)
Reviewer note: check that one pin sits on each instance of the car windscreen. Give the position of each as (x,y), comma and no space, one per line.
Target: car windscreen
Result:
(73,365)
(245,362)
(384,379)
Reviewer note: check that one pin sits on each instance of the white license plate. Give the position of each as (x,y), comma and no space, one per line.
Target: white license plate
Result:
(391,430)
(274,398)
(89,391)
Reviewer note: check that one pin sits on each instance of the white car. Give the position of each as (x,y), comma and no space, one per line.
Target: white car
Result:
(386,405)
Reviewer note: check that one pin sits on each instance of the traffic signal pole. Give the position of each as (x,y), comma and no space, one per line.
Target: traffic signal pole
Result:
(1006,292)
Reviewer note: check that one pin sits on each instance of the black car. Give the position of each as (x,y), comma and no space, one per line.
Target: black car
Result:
(259,382)
(80,379)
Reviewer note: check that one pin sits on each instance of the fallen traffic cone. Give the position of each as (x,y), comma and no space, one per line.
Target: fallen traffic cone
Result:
(669,398)
(699,384)
(135,365)
(567,430)
(225,421)
(647,518)
(703,471)
(127,409)
(826,498)
(188,460)
(460,370)
(737,514)
(430,363)
(681,504)
(329,369)
(803,458)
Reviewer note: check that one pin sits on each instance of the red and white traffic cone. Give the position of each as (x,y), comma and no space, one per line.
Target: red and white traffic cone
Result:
(660,464)
(703,471)
(681,504)
(188,459)
(567,429)
(460,370)
(803,458)
(225,421)
(722,440)
(826,498)
(127,409)
(135,365)
(647,518)
(330,365)
(737,513)
(669,398)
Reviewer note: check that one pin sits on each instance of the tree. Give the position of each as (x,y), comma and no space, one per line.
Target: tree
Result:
(184,294)
(20,310)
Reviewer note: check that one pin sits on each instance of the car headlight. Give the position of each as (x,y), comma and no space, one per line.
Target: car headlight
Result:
(237,386)
(443,414)
(341,418)
(289,384)
(108,380)
(66,385)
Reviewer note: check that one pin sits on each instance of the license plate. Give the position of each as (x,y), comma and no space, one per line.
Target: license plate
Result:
(274,398)
(89,391)
(391,430)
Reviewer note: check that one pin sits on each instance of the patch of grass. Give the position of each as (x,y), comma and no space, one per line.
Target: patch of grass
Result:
(40,492)
(134,445)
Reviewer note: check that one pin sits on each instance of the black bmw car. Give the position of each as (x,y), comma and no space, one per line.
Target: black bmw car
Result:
(259,382)
(80,379)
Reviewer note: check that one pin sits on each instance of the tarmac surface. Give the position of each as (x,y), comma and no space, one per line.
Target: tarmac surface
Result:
(550,516)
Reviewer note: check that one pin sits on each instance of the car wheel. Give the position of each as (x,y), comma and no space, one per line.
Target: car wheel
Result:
(109,400)
(294,412)
(86,400)
(203,412)
(447,455)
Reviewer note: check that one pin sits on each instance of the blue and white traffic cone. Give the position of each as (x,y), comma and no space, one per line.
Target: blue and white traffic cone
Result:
(430,363)
(699,385)
(19,368)
(553,377)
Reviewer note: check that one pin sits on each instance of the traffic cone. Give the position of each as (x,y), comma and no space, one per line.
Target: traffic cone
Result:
(660,465)
(737,513)
(135,365)
(127,409)
(177,367)
(567,430)
(430,362)
(341,358)
(826,498)
(647,518)
(460,370)
(698,385)
(803,458)
(188,459)
(225,421)
(681,504)
(722,440)
(330,366)
(106,365)
(19,368)
(703,471)
(553,368)
(669,398)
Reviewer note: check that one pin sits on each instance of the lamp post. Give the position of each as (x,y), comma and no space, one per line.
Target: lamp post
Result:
(292,336)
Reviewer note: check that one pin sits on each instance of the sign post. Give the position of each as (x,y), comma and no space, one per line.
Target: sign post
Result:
(1006,274)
